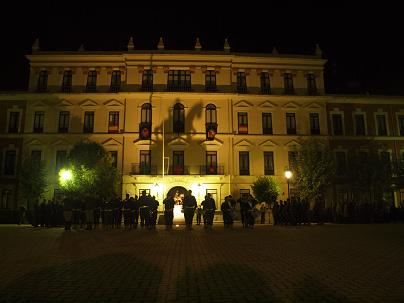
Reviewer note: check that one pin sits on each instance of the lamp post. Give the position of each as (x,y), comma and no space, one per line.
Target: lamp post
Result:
(288,175)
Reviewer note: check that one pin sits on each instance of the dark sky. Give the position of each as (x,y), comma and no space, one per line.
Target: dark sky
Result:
(361,43)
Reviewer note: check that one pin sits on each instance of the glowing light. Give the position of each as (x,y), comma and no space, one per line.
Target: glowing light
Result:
(65,175)
(288,174)
(176,225)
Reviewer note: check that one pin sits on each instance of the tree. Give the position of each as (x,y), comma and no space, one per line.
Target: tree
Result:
(92,171)
(265,189)
(33,180)
(314,168)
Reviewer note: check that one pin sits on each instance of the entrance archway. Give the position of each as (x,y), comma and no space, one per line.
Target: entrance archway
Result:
(178,192)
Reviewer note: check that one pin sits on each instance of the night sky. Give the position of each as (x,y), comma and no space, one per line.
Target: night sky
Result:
(362,44)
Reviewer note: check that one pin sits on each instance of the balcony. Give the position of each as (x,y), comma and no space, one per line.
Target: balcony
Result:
(147,87)
(91,88)
(145,130)
(143,169)
(179,87)
(179,170)
(265,91)
(210,87)
(211,170)
(211,131)
(115,88)
(66,89)
(241,89)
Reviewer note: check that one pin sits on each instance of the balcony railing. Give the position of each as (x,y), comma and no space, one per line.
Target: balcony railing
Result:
(265,90)
(143,169)
(211,87)
(211,170)
(147,87)
(179,87)
(115,88)
(66,88)
(241,89)
(91,88)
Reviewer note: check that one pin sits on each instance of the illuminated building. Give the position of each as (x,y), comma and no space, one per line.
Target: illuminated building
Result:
(218,119)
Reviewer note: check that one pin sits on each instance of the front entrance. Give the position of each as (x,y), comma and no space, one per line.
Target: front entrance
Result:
(178,192)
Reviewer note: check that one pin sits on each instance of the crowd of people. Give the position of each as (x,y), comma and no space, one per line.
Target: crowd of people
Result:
(143,211)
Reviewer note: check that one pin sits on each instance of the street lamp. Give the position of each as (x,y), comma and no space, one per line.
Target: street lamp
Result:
(65,175)
(288,175)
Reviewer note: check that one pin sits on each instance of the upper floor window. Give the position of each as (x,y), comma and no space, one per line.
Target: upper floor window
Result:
(337,124)
(241,82)
(178,118)
(265,83)
(38,122)
(88,122)
(244,162)
(179,80)
(114,158)
(14,122)
(381,125)
(267,123)
(211,114)
(288,83)
(290,123)
(113,122)
(210,80)
(178,162)
(242,123)
(311,84)
(91,81)
(145,162)
(211,162)
(269,163)
(64,117)
(67,81)
(360,125)
(314,124)
(10,162)
(340,159)
(116,81)
(147,80)
(292,159)
(401,124)
(386,160)
(146,113)
(42,81)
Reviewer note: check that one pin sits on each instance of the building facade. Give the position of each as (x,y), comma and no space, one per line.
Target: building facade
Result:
(207,121)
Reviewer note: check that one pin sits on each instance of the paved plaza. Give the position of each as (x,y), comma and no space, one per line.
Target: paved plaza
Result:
(329,263)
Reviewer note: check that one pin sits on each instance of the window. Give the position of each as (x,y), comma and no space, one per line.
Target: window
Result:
(311,84)
(36,156)
(64,117)
(178,162)
(211,163)
(244,160)
(92,81)
(38,122)
(244,192)
(241,82)
(360,125)
(14,122)
(269,163)
(61,159)
(265,83)
(147,80)
(290,124)
(288,83)
(210,80)
(314,124)
(145,162)
(242,123)
(67,81)
(337,124)
(114,158)
(381,125)
(340,163)
(88,122)
(9,162)
(179,80)
(210,114)
(385,159)
(146,122)
(178,118)
(401,124)
(267,123)
(113,122)
(363,157)
(292,158)
(115,81)
(42,81)
(6,198)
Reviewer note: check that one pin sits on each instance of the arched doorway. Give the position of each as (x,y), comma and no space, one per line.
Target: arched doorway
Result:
(178,192)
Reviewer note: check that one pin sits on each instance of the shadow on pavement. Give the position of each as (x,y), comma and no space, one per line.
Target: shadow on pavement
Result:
(115,277)
(224,282)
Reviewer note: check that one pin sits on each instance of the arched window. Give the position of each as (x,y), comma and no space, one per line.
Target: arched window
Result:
(146,115)
(178,118)
(210,114)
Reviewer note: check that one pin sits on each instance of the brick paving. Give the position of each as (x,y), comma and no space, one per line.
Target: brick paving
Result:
(329,263)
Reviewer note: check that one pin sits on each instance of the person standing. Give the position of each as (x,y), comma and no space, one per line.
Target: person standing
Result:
(189,206)
(263,209)
(169,211)
(198,215)
(144,209)
(209,207)
(227,210)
